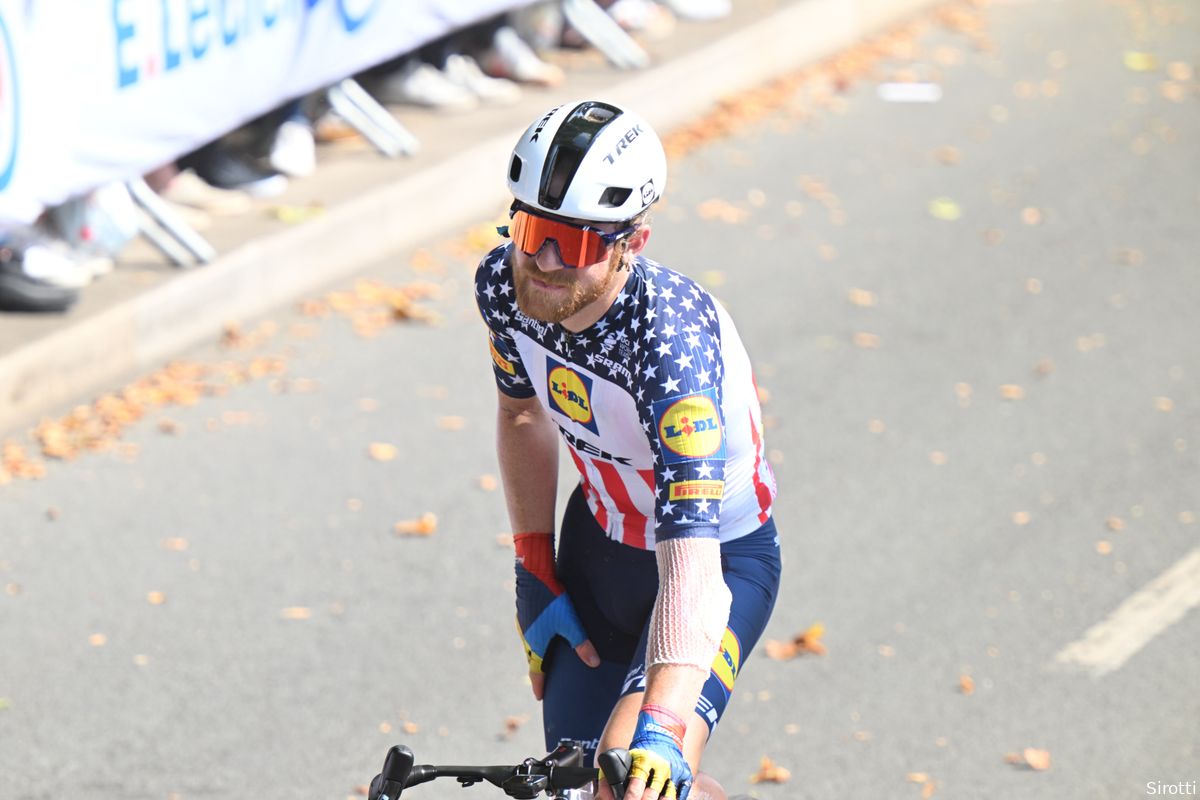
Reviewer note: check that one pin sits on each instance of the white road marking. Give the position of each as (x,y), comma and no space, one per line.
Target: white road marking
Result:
(1159,605)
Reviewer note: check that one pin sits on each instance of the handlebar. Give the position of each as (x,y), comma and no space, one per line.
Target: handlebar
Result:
(562,769)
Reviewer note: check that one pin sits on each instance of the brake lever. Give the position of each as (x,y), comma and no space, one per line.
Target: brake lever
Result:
(614,766)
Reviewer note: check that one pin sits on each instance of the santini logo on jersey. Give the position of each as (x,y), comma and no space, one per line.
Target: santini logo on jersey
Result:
(570,394)
(689,427)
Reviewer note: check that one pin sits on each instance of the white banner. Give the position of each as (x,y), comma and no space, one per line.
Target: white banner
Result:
(98,90)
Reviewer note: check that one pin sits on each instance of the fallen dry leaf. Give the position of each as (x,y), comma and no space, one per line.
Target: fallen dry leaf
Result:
(862,298)
(425,525)
(488,483)
(1021,518)
(156,598)
(948,155)
(1115,524)
(1030,757)
(97,640)
(1137,61)
(770,772)
(1031,216)
(504,540)
(451,423)
(177,544)
(381,451)
(410,727)
(928,784)
(945,209)
(1104,547)
(723,210)
(1011,391)
(966,685)
(867,341)
(296,612)
(807,642)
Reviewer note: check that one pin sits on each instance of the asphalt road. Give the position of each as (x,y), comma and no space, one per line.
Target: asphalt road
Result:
(975,319)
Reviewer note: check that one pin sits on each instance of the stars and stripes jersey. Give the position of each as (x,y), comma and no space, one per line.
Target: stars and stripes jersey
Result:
(656,402)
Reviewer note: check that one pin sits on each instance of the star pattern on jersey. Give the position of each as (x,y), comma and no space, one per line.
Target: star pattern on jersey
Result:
(659,340)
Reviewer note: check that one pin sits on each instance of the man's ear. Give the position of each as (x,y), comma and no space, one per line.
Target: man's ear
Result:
(637,240)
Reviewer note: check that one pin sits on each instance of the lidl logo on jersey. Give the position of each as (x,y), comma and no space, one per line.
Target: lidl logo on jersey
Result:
(728,661)
(689,427)
(570,394)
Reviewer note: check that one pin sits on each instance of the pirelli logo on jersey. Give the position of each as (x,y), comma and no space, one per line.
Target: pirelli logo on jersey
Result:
(570,394)
(696,490)
(503,363)
(689,427)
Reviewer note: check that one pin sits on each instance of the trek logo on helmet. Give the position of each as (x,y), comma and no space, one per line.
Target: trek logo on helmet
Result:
(623,143)
(542,123)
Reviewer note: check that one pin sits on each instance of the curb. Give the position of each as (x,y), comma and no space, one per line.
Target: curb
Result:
(143,331)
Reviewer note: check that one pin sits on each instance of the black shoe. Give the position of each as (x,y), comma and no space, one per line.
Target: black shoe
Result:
(20,292)
(225,168)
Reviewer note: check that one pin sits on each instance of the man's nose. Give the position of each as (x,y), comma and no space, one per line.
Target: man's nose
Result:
(547,258)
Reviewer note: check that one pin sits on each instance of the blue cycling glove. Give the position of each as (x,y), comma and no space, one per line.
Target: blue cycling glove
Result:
(656,753)
(543,608)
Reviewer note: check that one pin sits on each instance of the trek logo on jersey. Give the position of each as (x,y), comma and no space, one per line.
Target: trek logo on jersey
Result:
(689,427)
(728,661)
(503,363)
(696,490)
(570,394)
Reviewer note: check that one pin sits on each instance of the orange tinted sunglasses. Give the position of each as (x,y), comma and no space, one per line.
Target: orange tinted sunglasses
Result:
(577,245)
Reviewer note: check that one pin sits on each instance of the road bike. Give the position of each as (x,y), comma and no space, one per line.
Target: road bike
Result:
(560,774)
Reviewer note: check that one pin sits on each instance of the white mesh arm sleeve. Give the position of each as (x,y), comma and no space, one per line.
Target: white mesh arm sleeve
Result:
(692,608)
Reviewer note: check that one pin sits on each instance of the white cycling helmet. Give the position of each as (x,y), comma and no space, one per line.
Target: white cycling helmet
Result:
(588,160)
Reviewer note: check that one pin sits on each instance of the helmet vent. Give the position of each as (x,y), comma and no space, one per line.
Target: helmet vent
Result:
(514,170)
(571,143)
(564,162)
(614,196)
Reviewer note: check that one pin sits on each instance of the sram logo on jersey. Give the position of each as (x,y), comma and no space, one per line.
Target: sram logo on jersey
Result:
(689,427)
(570,394)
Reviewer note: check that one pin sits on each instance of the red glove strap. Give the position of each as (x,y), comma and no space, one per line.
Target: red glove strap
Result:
(668,719)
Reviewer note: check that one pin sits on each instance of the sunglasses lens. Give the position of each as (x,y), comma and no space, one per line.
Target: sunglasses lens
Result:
(576,247)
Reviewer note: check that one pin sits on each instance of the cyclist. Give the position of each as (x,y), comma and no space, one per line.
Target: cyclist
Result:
(668,561)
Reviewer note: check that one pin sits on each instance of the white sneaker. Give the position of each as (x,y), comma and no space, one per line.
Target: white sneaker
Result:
(55,267)
(294,151)
(643,16)
(511,57)
(463,71)
(420,84)
(700,10)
